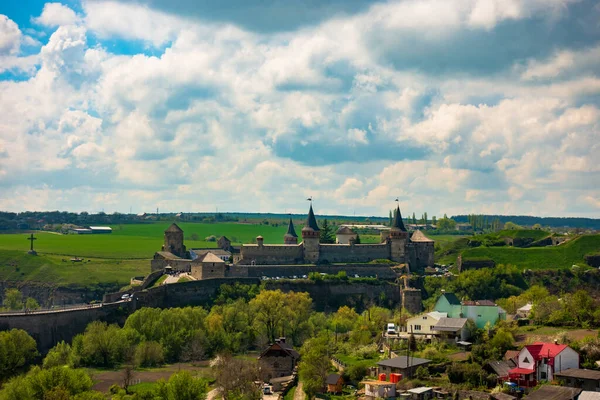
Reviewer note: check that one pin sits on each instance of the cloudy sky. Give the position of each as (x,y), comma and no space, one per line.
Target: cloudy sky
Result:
(454,106)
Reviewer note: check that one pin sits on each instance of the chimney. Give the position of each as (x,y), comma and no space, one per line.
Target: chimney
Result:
(280,340)
(259,240)
(555,341)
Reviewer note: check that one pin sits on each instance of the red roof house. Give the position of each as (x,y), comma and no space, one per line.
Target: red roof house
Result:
(540,361)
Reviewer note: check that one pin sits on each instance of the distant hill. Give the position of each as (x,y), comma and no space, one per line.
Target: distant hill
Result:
(527,220)
(561,256)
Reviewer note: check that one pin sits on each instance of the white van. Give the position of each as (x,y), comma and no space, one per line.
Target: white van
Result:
(391,328)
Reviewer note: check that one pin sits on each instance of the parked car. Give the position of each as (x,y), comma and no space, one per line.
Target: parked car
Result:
(391,328)
(125,296)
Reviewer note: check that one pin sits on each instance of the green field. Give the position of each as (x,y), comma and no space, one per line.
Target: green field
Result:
(565,255)
(139,241)
(20,266)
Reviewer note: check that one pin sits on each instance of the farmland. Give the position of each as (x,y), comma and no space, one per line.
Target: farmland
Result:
(139,241)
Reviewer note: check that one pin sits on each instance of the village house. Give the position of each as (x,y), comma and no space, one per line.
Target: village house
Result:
(422,325)
(482,312)
(207,267)
(500,369)
(334,383)
(277,360)
(452,329)
(540,361)
(585,379)
(407,366)
(379,389)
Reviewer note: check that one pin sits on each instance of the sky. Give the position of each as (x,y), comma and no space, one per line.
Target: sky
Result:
(451,106)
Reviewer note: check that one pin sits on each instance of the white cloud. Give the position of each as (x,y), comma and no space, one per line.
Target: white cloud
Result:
(237,119)
(56,14)
(10,36)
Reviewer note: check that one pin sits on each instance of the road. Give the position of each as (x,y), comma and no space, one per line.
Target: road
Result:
(59,310)
(299,393)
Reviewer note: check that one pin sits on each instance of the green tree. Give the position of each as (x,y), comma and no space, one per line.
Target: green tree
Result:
(269,310)
(149,354)
(59,355)
(101,345)
(17,351)
(13,299)
(314,364)
(53,383)
(31,304)
(327,235)
(182,386)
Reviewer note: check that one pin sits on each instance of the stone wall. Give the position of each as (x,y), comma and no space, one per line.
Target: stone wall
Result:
(182,264)
(424,254)
(333,253)
(411,300)
(329,296)
(272,254)
(208,270)
(50,328)
(382,271)
(49,294)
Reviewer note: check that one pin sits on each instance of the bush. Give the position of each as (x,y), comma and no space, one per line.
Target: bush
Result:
(355,373)
(149,354)
(211,238)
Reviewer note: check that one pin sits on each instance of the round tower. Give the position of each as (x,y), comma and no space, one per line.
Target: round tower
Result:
(398,238)
(310,237)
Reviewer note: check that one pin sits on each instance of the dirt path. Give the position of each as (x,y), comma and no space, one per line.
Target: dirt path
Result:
(299,393)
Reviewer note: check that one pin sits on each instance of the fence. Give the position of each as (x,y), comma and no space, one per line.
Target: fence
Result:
(53,309)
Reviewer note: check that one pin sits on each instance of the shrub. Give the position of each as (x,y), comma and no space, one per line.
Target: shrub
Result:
(149,354)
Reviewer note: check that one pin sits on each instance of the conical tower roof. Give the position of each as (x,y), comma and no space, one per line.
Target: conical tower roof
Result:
(174,228)
(311,221)
(397,224)
(291,231)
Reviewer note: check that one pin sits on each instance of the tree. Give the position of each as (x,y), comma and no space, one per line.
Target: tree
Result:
(414,218)
(58,356)
(101,345)
(42,384)
(433,220)
(149,354)
(327,235)
(13,299)
(357,240)
(314,364)
(235,378)
(511,226)
(269,308)
(31,304)
(446,224)
(182,386)
(17,351)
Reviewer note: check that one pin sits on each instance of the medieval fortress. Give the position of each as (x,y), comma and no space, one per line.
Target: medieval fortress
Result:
(416,251)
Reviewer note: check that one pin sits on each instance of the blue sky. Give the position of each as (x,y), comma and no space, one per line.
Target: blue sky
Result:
(454,106)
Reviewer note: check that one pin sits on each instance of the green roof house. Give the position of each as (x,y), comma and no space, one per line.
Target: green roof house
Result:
(480,312)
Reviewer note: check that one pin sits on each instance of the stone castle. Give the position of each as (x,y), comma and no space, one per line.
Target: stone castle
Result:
(396,245)
(416,250)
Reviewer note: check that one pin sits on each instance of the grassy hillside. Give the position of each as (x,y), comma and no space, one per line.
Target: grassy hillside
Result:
(565,255)
(535,234)
(20,266)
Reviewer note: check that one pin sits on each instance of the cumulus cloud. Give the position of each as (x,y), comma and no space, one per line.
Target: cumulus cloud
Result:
(56,14)
(10,36)
(355,108)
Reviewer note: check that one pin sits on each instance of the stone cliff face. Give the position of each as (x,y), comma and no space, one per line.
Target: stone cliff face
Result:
(51,294)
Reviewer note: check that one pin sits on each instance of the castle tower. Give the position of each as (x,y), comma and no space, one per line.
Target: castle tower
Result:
(310,237)
(398,238)
(290,237)
(174,241)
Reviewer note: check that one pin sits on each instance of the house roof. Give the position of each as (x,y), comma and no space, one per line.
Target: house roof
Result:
(291,232)
(539,349)
(211,258)
(311,221)
(398,224)
(551,392)
(521,371)
(420,237)
(332,379)
(589,395)
(450,324)
(403,362)
(419,390)
(174,228)
(500,368)
(216,252)
(167,255)
(281,346)
(344,230)
(478,303)
(510,354)
(579,373)
(451,299)
(526,307)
